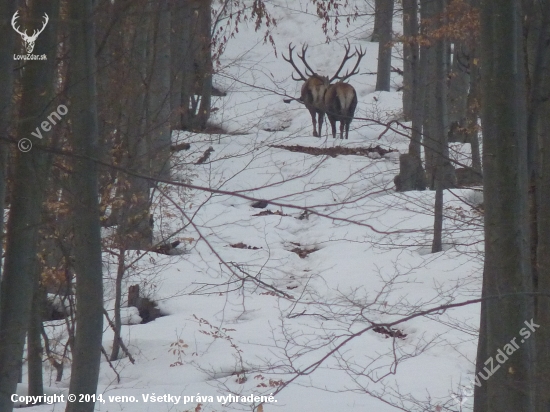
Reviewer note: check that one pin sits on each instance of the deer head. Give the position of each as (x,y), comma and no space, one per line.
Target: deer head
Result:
(29,40)
(315,87)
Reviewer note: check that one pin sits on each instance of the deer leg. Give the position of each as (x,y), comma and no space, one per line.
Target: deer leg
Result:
(347,129)
(333,127)
(314,121)
(321,116)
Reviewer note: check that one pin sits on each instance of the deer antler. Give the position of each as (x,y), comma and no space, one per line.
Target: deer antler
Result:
(13,19)
(37,32)
(303,58)
(359,53)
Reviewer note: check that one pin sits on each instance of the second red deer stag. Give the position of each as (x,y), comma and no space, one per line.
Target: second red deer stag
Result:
(338,101)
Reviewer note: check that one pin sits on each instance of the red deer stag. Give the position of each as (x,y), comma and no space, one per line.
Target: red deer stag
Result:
(338,100)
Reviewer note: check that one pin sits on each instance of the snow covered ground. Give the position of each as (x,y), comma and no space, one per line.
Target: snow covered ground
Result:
(244,320)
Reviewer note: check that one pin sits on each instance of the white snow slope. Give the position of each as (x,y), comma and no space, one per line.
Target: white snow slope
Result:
(249,319)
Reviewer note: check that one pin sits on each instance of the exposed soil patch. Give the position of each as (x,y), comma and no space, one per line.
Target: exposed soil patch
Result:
(466,176)
(335,151)
(303,252)
(180,146)
(166,248)
(148,309)
(260,204)
(269,212)
(389,332)
(241,245)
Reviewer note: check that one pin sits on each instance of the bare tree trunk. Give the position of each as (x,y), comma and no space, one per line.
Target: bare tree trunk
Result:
(435,119)
(411,173)
(438,128)
(196,78)
(178,51)
(188,45)
(542,309)
(507,268)
(410,54)
(158,122)
(378,4)
(134,230)
(474,106)
(385,17)
(34,340)
(428,65)
(204,62)
(7,37)
(118,300)
(458,93)
(87,239)
(437,242)
(538,132)
(31,170)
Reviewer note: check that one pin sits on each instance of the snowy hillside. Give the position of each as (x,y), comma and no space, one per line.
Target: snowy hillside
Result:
(263,295)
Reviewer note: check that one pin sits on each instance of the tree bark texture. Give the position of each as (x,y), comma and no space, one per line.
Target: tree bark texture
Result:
(507,256)
(537,42)
(410,55)
(196,76)
(411,172)
(158,111)
(435,121)
(458,92)
(385,16)
(87,240)
(7,41)
(25,219)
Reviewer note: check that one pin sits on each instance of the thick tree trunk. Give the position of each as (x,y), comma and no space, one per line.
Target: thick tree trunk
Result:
(472,115)
(435,116)
(7,40)
(31,170)
(378,5)
(118,300)
(437,242)
(458,93)
(410,55)
(427,61)
(507,256)
(188,46)
(196,77)
(34,340)
(542,376)
(204,62)
(385,16)
(158,122)
(178,52)
(18,281)
(134,230)
(538,53)
(438,129)
(87,240)
(411,173)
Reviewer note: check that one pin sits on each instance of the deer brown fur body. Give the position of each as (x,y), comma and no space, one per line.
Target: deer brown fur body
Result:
(313,97)
(340,102)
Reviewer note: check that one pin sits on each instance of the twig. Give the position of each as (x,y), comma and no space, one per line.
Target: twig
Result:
(110,364)
(120,342)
